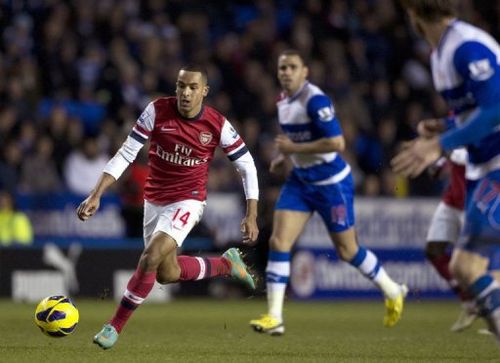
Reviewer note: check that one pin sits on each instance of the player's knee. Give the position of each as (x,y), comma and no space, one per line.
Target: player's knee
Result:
(150,259)
(460,271)
(278,244)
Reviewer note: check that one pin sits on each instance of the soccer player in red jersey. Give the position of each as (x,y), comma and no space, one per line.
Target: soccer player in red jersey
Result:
(448,219)
(444,232)
(184,134)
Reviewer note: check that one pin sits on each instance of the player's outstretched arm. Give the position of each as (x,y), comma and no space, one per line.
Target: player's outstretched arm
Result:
(248,172)
(112,171)
(249,227)
(236,150)
(420,153)
(481,123)
(90,205)
(118,163)
(416,155)
(431,127)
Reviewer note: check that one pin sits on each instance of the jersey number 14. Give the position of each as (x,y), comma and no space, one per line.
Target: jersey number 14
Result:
(180,218)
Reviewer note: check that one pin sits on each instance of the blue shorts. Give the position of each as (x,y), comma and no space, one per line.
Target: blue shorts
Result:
(333,202)
(481,231)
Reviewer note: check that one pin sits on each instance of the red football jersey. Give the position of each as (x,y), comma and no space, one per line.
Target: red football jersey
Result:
(181,149)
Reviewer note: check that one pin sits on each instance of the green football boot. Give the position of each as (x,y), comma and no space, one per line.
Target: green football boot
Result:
(238,268)
(107,337)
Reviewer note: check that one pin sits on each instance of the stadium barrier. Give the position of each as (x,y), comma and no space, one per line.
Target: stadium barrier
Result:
(54,219)
(95,261)
(395,230)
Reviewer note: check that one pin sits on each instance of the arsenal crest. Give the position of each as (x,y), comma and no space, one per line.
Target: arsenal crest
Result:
(205,137)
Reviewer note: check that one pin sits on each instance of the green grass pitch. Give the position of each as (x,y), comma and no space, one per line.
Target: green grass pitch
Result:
(218,331)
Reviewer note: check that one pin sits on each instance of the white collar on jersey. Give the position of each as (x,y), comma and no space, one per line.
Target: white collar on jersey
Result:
(297,94)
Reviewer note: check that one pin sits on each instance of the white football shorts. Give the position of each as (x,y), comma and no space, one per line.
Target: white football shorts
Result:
(446,224)
(176,219)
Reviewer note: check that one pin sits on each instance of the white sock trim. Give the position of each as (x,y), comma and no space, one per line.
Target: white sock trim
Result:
(132,297)
(369,263)
(494,285)
(203,268)
(281,268)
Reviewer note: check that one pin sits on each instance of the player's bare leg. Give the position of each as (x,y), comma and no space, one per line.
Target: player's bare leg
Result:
(471,270)
(161,247)
(287,226)
(438,253)
(368,264)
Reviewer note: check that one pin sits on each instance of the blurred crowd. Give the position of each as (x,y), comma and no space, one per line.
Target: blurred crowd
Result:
(75,75)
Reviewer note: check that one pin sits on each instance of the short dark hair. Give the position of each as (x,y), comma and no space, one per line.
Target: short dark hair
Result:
(431,10)
(196,68)
(295,52)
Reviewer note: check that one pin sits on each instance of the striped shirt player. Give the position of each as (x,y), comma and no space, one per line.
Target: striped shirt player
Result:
(183,135)
(465,63)
(306,116)
(466,71)
(321,181)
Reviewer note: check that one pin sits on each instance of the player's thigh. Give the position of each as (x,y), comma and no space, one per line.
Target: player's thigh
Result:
(291,214)
(446,224)
(467,266)
(335,204)
(176,219)
(158,248)
(150,220)
(287,226)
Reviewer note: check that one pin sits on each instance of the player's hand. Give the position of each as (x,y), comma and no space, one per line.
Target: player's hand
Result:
(277,164)
(88,207)
(249,229)
(284,144)
(415,156)
(430,127)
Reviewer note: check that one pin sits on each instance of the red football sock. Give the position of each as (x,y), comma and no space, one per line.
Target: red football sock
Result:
(441,263)
(138,288)
(198,268)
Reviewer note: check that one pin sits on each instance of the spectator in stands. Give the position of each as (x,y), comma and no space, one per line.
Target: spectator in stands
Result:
(10,166)
(56,126)
(82,167)
(39,171)
(122,54)
(15,227)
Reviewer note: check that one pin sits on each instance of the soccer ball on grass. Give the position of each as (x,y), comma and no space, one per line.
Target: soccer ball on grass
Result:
(56,316)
